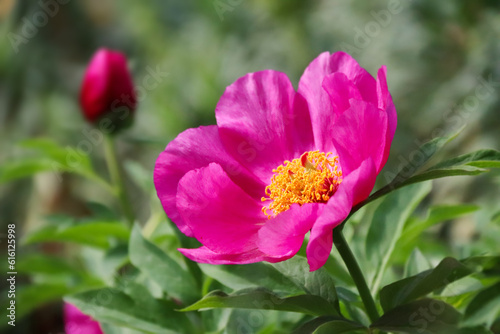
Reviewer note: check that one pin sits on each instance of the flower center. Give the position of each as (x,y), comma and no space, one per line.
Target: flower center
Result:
(313,178)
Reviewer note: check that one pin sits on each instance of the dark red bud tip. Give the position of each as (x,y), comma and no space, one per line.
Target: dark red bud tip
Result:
(107,89)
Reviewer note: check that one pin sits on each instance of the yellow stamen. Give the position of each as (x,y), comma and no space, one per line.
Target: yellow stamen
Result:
(313,178)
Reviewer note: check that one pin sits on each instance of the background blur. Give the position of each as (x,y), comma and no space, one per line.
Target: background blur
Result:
(443,60)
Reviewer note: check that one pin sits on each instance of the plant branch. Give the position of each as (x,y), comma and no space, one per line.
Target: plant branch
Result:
(116,179)
(356,273)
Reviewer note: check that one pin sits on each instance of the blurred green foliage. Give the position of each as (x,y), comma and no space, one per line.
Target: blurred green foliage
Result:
(443,60)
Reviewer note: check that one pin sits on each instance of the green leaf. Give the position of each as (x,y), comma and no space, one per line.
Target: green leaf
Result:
(481,159)
(496,218)
(461,287)
(261,299)
(489,265)
(67,157)
(145,314)
(116,256)
(250,275)
(90,233)
(474,330)
(101,211)
(416,263)
(318,282)
(47,156)
(425,316)
(484,308)
(411,288)
(387,225)
(18,169)
(474,163)
(161,268)
(257,321)
(444,172)
(111,329)
(332,325)
(427,150)
(416,226)
(142,177)
(440,213)
(44,264)
(437,214)
(340,326)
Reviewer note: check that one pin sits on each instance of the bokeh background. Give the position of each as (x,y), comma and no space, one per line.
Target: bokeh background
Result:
(443,60)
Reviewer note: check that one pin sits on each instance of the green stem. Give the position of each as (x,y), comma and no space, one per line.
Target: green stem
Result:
(116,179)
(356,273)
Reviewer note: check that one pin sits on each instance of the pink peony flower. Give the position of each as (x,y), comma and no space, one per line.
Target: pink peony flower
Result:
(107,89)
(279,163)
(75,322)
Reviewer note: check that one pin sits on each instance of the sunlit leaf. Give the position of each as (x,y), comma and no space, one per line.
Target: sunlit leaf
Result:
(90,232)
(480,158)
(474,163)
(484,308)
(387,225)
(261,299)
(44,264)
(437,214)
(341,326)
(332,325)
(161,268)
(250,275)
(411,288)
(45,155)
(416,263)
(318,282)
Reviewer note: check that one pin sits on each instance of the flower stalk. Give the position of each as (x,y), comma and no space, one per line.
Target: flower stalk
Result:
(116,178)
(356,273)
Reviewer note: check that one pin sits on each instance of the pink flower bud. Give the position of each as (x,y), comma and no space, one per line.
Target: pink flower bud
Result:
(107,90)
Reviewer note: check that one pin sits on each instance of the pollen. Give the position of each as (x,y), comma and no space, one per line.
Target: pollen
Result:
(312,178)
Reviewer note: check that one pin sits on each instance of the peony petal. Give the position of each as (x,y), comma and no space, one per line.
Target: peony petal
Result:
(76,322)
(192,149)
(385,103)
(263,122)
(205,255)
(340,90)
(311,86)
(360,133)
(283,235)
(318,249)
(221,215)
(355,186)
(320,240)
(364,81)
